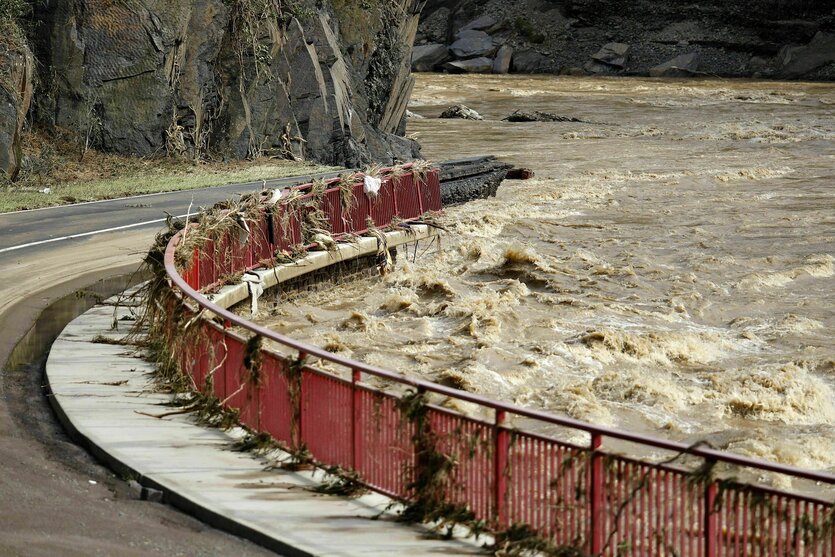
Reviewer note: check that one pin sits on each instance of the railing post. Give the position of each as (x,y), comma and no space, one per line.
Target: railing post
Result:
(195,265)
(298,411)
(711,520)
(501,447)
(596,495)
(356,432)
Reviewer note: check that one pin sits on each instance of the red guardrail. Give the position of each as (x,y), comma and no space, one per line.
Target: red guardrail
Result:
(577,496)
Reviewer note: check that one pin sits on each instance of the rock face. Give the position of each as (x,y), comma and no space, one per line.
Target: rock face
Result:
(784,39)
(327,81)
(16,66)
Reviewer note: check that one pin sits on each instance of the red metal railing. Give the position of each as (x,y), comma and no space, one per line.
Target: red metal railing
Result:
(579,496)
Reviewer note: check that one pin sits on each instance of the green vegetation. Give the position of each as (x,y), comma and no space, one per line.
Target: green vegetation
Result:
(525,28)
(53,163)
(12,10)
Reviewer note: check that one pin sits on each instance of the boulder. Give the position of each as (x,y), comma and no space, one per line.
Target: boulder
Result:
(520,174)
(473,65)
(528,61)
(612,54)
(480,24)
(539,116)
(16,67)
(686,65)
(426,58)
(461,112)
(501,63)
(473,44)
(798,61)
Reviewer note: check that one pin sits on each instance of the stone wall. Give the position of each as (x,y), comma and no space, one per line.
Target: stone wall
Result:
(240,78)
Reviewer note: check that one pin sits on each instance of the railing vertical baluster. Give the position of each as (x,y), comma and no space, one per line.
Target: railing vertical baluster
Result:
(596,495)
(356,431)
(711,518)
(501,446)
(298,411)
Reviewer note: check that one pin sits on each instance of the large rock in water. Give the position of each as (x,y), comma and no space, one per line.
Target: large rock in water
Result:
(185,76)
(798,61)
(473,65)
(501,64)
(426,57)
(473,44)
(16,67)
(611,58)
(686,65)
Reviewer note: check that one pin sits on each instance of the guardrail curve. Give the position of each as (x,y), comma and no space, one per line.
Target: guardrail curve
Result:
(486,471)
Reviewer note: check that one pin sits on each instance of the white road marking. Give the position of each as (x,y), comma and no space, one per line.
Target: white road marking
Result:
(84,234)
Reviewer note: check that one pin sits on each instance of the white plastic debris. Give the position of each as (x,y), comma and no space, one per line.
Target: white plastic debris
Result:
(256,287)
(243,229)
(372,186)
(46,190)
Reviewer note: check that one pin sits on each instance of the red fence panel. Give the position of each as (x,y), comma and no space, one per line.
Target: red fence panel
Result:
(386,453)
(430,191)
(332,207)
(547,488)
(759,522)
(327,421)
(382,205)
(287,231)
(208,269)
(260,247)
(407,197)
(276,399)
(650,510)
(470,445)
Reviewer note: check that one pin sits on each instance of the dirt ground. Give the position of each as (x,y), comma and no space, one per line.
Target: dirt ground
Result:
(55,499)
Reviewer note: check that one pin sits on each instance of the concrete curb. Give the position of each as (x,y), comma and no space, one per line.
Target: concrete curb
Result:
(102,394)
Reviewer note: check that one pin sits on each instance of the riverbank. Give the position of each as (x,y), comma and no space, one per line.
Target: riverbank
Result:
(753,38)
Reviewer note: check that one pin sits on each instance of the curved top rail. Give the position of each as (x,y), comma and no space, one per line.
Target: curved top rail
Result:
(674,446)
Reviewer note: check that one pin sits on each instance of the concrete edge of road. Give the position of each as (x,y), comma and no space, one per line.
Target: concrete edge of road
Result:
(74,425)
(103,395)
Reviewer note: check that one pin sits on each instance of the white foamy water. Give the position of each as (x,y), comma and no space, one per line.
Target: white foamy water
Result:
(670,269)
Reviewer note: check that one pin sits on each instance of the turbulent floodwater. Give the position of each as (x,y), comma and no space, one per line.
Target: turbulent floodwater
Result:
(669,270)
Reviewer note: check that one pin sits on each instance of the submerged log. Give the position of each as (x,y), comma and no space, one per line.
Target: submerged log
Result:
(473,178)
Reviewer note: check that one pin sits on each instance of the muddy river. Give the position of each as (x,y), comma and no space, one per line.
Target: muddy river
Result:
(669,270)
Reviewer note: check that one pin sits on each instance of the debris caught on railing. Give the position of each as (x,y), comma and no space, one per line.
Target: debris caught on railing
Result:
(372,186)
(255,285)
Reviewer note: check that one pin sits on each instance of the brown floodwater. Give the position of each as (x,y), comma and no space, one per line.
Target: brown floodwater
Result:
(669,270)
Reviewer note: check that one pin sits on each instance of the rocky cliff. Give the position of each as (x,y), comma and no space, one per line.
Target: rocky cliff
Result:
(321,80)
(16,83)
(784,39)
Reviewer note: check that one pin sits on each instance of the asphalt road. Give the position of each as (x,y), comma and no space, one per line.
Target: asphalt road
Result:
(54,498)
(31,229)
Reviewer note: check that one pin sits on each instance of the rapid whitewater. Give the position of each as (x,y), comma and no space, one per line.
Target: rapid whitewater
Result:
(669,270)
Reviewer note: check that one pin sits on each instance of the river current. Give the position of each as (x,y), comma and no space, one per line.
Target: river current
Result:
(669,270)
